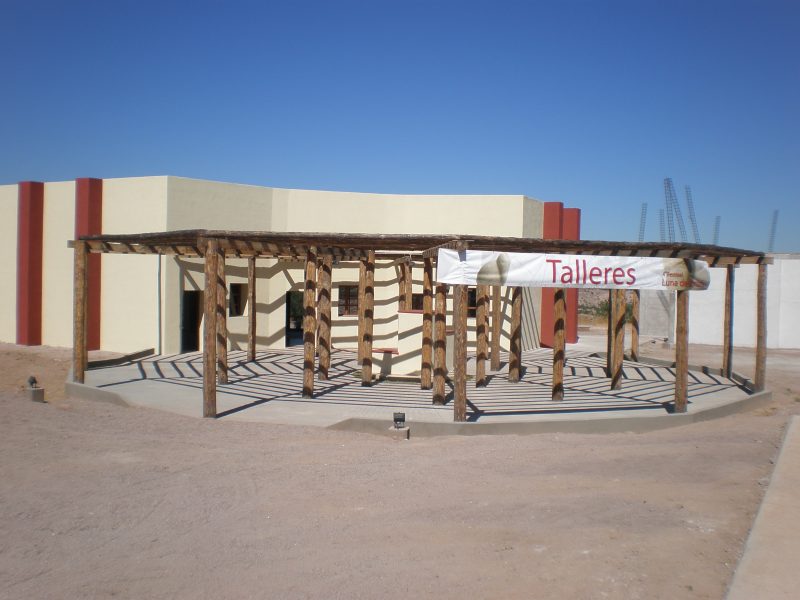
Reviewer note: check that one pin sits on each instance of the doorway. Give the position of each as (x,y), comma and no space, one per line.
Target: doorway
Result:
(294,318)
(191,314)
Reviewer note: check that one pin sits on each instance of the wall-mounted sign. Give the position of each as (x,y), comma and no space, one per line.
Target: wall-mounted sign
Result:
(478,267)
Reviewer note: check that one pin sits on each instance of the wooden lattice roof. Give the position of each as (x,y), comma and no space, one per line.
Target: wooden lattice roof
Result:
(351,246)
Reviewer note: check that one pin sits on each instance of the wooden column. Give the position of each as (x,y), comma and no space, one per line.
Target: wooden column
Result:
(210,330)
(251,308)
(515,350)
(309,322)
(362,276)
(610,333)
(761,330)
(460,353)
(366,312)
(427,325)
(635,302)
(481,327)
(727,326)
(618,350)
(682,352)
(222,321)
(404,286)
(324,324)
(440,345)
(80,356)
(559,342)
(497,327)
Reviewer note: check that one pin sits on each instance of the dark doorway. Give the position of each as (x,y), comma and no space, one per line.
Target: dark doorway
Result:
(294,318)
(191,313)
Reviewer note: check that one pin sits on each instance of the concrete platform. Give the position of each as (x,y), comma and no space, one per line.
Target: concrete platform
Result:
(269,390)
(768,568)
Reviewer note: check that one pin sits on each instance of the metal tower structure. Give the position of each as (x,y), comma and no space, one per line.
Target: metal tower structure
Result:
(668,212)
(772,229)
(661,228)
(673,206)
(692,217)
(642,221)
(716,230)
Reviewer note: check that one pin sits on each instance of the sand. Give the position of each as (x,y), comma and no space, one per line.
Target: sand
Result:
(101,501)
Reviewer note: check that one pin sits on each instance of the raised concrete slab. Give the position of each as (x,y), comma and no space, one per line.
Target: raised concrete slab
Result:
(768,569)
(269,390)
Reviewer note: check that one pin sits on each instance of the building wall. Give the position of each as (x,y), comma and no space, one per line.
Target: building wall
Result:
(9,197)
(57,262)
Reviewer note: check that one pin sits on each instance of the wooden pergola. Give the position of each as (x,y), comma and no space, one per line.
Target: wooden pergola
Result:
(318,251)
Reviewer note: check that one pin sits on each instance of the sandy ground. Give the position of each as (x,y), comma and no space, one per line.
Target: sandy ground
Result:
(100,501)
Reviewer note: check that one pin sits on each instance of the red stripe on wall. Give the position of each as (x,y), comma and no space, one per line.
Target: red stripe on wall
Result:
(552,229)
(30,217)
(571,230)
(89,221)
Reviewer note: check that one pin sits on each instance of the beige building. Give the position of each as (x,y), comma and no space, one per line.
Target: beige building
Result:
(141,302)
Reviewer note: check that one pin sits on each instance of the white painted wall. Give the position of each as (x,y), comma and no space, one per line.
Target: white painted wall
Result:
(130,283)
(9,205)
(57,263)
(783,306)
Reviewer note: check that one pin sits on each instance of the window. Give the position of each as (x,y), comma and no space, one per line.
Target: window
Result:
(348,300)
(416,301)
(238,299)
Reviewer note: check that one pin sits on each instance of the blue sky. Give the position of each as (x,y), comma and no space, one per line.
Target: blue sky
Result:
(588,103)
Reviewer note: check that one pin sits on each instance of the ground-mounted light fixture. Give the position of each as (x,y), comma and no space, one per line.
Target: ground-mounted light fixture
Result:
(33,391)
(399,420)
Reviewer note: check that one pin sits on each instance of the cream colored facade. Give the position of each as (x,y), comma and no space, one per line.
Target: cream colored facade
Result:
(141,301)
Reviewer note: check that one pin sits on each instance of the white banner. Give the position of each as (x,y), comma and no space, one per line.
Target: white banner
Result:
(480,267)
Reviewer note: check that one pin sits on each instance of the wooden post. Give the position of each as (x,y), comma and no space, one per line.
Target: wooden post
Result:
(515,350)
(362,277)
(80,355)
(427,325)
(460,350)
(610,333)
(559,342)
(222,321)
(251,308)
(727,326)
(440,345)
(682,352)
(368,314)
(404,287)
(761,330)
(210,330)
(309,322)
(482,346)
(618,350)
(635,302)
(497,327)
(324,324)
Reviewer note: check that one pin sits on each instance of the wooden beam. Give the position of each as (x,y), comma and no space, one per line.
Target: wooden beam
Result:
(515,350)
(362,278)
(610,333)
(559,342)
(210,330)
(727,324)
(635,303)
(427,325)
(80,356)
(618,350)
(222,320)
(251,308)
(309,322)
(682,352)
(497,327)
(759,380)
(440,345)
(481,330)
(324,325)
(368,312)
(460,353)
